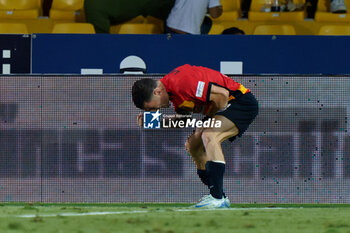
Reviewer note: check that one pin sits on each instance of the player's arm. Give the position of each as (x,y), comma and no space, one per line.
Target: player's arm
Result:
(215,12)
(182,112)
(218,99)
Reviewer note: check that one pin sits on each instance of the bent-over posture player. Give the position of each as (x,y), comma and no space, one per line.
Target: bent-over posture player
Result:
(202,90)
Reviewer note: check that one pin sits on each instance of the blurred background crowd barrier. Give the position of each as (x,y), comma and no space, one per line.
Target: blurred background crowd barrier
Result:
(75,139)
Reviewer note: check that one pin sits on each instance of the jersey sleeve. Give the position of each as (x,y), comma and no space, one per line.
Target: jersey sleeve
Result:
(214,3)
(196,89)
(190,88)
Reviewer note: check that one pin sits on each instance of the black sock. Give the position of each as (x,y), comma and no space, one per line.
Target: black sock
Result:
(203,175)
(216,172)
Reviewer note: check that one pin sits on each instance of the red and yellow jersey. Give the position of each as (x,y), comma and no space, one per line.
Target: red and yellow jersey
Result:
(189,87)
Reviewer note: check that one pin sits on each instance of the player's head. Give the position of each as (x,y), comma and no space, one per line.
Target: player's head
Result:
(149,94)
(233,31)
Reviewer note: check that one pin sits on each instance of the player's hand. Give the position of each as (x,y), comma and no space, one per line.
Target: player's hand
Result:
(140,119)
(211,109)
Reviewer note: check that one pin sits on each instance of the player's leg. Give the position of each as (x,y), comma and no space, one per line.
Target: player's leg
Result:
(213,137)
(239,114)
(215,165)
(194,146)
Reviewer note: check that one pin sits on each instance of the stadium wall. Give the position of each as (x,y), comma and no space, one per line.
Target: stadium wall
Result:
(75,139)
(67,54)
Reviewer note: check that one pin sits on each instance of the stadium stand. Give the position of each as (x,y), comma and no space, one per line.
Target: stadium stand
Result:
(231,10)
(29,13)
(19,9)
(114,29)
(159,22)
(336,30)
(216,28)
(67,10)
(138,19)
(139,28)
(78,28)
(257,12)
(283,29)
(13,28)
(323,13)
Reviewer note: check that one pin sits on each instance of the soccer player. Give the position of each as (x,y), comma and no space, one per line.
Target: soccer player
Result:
(202,90)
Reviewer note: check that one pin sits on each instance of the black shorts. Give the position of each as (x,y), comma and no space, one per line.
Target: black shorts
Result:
(241,111)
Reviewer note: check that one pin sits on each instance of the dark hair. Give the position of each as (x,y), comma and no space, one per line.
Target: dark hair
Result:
(142,91)
(233,31)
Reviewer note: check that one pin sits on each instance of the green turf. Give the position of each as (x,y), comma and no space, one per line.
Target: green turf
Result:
(174,218)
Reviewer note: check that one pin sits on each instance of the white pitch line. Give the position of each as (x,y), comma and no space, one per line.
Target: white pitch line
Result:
(80,214)
(137,212)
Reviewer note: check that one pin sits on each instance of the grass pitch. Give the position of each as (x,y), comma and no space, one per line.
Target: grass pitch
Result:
(172,218)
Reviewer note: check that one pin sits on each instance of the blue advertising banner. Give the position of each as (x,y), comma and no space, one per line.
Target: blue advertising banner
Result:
(72,54)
